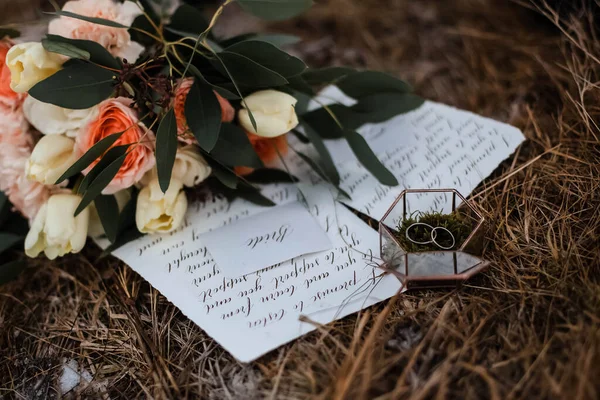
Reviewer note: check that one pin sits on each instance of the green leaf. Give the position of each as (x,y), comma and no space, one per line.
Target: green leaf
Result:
(11,33)
(148,9)
(275,10)
(368,159)
(99,21)
(276,39)
(65,49)
(366,83)
(98,184)
(8,240)
(187,21)
(111,155)
(222,91)
(322,121)
(248,72)
(327,75)
(326,163)
(15,223)
(90,156)
(4,207)
(255,196)
(267,176)
(234,149)
(129,235)
(224,175)
(203,115)
(166,149)
(317,168)
(97,53)
(10,271)
(269,56)
(108,211)
(78,86)
(381,107)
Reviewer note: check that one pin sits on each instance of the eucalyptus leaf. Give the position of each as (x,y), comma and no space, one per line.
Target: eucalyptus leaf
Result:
(187,21)
(166,149)
(78,86)
(269,56)
(322,121)
(317,168)
(98,184)
(90,156)
(367,83)
(8,240)
(98,21)
(255,196)
(327,75)
(66,49)
(227,177)
(368,159)
(275,10)
(248,72)
(203,115)
(128,235)
(234,148)
(276,39)
(107,159)
(225,93)
(4,207)
(97,53)
(381,107)
(11,270)
(9,32)
(108,211)
(327,164)
(267,176)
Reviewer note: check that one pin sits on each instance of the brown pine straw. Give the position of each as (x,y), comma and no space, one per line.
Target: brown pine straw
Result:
(528,328)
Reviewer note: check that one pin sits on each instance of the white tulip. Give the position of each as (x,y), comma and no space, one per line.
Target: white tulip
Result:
(190,168)
(55,230)
(50,158)
(29,63)
(159,212)
(96,229)
(273,112)
(54,120)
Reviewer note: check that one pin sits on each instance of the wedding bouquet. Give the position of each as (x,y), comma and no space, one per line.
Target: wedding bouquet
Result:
(123,107)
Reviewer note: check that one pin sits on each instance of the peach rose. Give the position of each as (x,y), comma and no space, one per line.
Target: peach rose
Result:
(227,111)
(115,115)
(116,40)
(266,148)
(8,97)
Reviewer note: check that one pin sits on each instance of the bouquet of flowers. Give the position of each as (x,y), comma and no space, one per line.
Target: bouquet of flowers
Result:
(123,107)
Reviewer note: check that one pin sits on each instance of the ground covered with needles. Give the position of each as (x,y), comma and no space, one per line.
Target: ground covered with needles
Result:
(527,328)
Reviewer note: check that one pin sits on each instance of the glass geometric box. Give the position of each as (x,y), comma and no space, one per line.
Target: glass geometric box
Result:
(427,238)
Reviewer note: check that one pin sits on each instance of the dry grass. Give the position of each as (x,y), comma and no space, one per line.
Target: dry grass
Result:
(528,328)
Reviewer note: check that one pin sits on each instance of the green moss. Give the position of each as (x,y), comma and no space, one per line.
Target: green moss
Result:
(454,222)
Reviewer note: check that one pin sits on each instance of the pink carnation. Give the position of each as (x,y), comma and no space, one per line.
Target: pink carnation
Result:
(114,116)
(116,40)
(15,148)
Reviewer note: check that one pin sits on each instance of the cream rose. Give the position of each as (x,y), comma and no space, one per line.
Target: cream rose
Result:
(273,111)
(116,40)
(190,168)
(55,230)
(50,158)
(53,120)
(29,63)
(159,212)
(96,229)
